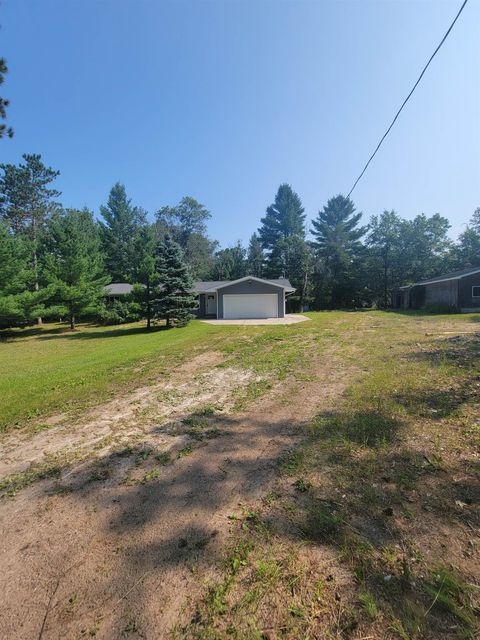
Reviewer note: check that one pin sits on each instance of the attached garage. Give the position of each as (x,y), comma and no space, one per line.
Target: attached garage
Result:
(246,298)
(251,305)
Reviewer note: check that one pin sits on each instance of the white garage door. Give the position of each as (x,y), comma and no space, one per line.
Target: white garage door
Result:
(251,305)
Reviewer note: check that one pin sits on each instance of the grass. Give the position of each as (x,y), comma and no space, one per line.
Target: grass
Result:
(356,532)
(355,539)
(52,369)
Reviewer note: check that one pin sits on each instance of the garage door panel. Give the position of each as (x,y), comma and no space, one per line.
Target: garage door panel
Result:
(253,305)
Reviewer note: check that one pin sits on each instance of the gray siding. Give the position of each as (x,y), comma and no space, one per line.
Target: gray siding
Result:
(251,286)
(465,300)
(442,293)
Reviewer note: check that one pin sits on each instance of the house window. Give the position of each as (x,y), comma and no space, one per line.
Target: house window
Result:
(476,292)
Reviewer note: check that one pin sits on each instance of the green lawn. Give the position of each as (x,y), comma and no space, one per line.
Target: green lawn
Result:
(53,369)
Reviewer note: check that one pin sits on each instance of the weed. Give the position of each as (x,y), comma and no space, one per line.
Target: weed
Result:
(368,604)
(150,475)
(186,451)
(163,458)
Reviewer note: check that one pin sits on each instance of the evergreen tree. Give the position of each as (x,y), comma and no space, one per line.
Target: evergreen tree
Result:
(338,249)
(17,303)
(255,257)
(230,263)
(4,130)
(74,264)
(145,275)
(186,223)
(175,301)
(284,219)
(27,203)
(118,233)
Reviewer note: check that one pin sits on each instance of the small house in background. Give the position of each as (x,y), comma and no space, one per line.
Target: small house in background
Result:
(459,290)
(118,290)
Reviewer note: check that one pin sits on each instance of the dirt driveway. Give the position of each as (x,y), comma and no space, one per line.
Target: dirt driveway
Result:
(118,544)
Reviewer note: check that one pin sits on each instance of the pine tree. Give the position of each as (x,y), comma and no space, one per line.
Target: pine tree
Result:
(175,301)
(255,257)
(118,232)
(27,203)
(284,219)
(74,264)
(337,246)
(4,130)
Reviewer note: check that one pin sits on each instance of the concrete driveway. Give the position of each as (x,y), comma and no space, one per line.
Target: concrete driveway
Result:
(290,318)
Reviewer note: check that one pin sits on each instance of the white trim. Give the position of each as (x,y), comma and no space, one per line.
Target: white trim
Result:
(229,284)
(475,286)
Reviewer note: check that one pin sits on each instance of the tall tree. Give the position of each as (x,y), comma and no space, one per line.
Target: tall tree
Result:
(74,264)
(117,232)
(338,248)
(175,301)
(17,303)
(4,130)
(255,257)
(426,247)
(284,218)
(230,263)
(186,223)
(145,275)
(467,251)
(386,265)
(27,202)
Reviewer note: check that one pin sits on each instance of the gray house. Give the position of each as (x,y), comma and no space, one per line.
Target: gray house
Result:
(456,290)
(248,297)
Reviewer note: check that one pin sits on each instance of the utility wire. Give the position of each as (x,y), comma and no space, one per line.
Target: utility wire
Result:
(408,97)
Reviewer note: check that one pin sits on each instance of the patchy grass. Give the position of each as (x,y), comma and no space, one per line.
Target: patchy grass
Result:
(372,528)
(52,369)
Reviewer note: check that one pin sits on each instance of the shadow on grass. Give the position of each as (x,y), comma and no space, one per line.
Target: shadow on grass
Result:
(90,332)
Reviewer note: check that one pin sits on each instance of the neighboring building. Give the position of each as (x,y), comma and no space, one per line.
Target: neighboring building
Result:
(118,290)
(458,290)
(248,297)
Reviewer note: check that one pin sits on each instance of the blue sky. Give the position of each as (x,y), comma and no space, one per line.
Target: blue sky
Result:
(225,100)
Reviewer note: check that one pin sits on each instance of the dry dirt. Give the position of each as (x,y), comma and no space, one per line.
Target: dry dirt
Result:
(125,418)
(117,545)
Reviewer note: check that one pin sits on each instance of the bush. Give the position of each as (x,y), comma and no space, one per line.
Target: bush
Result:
(119,312)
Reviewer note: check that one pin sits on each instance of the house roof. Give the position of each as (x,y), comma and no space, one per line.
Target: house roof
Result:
(200,286)
(454,275)
(213,285)
(118,289)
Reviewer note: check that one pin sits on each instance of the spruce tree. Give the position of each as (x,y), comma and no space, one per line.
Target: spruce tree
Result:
(74,264)
(255,257)
(175,301)
(118,233)
(338,247)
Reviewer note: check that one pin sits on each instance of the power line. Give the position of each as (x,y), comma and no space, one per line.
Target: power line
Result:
(408,97)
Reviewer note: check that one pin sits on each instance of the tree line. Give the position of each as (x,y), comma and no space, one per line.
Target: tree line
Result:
(56,262)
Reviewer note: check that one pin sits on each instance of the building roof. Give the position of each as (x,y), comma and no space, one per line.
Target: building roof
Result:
(118,289)
(454,275)
(202,286)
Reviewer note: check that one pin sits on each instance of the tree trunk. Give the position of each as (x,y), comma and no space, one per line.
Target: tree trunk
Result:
(72,322)
(35,259)
(149,310)
(168,322)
